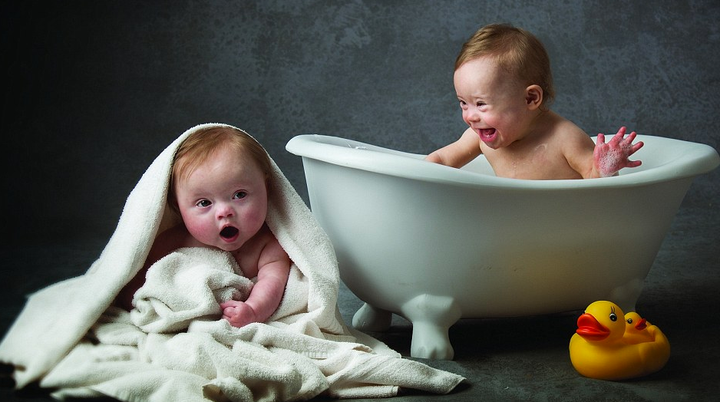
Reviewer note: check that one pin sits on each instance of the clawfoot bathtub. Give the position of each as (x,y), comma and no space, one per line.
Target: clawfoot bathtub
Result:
(435,244)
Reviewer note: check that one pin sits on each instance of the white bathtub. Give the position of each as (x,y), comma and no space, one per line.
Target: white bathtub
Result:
(435,244)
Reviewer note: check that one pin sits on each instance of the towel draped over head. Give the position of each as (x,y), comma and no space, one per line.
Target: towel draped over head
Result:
(174,345)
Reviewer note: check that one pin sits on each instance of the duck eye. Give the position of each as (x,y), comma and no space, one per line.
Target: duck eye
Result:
(613,317)
(629,321)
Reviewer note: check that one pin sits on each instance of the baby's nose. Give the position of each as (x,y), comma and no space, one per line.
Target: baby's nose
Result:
(473,115)
(225,211)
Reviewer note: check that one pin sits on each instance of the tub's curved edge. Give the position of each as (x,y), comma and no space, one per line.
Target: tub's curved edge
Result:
(691,159)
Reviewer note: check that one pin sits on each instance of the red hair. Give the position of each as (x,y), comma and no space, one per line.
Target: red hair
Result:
(516,50)
(199,146)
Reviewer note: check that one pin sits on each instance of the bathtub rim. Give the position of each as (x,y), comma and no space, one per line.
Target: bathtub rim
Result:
(693,159)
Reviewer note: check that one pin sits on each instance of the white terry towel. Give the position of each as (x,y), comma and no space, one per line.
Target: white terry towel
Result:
(175,347)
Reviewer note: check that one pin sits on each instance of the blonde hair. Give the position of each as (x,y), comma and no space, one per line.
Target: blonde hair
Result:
(199,146)
(517,51)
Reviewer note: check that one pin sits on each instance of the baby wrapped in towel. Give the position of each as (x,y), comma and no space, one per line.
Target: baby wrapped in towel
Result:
(199,328)
(218,185)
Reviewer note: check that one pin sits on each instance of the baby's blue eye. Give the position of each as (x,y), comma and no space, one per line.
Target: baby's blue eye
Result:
(240,195)
(203,203)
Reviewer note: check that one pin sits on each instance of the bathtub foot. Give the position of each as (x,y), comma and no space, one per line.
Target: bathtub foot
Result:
(369,318)
(431,317)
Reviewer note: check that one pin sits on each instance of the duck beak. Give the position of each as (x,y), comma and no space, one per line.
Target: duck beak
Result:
(590,329)
(642,324)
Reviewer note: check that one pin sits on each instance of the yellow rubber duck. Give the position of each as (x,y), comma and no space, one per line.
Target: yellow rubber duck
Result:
(636,329)
(600,348)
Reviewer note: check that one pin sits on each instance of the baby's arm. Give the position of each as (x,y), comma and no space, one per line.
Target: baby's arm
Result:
(610,157)
(266,294)
(459,153)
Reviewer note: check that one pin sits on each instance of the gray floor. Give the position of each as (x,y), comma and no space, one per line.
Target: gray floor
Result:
(504,359)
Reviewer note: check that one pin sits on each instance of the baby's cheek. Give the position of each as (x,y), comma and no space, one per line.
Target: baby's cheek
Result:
(254,221)
(200,231)
(255,215)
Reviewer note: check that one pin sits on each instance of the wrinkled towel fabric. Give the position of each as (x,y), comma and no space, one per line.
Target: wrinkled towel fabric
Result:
(173,346)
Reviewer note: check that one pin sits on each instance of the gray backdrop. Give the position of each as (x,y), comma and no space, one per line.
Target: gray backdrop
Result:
(94,90)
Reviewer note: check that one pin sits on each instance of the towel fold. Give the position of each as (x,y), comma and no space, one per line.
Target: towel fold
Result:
(185,285)
(174,345)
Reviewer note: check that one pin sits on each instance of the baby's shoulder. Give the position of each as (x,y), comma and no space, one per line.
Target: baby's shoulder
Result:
(264,236)
(565,127)
(173,239)
(168,241)
(271,248)
(569,133)
(177,237)
(258,251)
(263,240)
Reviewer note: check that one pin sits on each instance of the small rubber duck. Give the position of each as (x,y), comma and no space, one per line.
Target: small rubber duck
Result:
(636,329)
(601,349)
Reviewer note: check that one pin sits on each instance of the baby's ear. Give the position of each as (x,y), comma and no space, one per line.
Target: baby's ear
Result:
(534,96)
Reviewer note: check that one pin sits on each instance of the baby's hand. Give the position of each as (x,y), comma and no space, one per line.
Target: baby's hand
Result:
(238,313)
(610,157)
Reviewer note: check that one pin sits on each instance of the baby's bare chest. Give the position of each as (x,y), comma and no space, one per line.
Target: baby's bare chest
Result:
(539,162)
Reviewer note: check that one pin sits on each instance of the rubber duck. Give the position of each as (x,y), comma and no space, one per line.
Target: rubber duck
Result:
(599,348)
(636,329)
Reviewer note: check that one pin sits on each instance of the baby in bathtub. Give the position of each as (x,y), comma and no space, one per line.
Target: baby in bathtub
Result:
(504,84)
(219,188)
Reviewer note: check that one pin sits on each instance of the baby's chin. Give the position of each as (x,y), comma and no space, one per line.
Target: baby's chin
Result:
(496,143)
(222,246)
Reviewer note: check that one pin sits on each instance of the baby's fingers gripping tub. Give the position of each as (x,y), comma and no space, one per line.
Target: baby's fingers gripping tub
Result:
(435,244)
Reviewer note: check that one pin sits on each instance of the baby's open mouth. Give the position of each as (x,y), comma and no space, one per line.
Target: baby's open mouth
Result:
(229,232)
(486,133)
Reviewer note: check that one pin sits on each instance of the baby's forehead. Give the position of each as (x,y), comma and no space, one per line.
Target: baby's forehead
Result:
(489,63)
(188,163)
(504,64)
(488,71)
(229,171)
